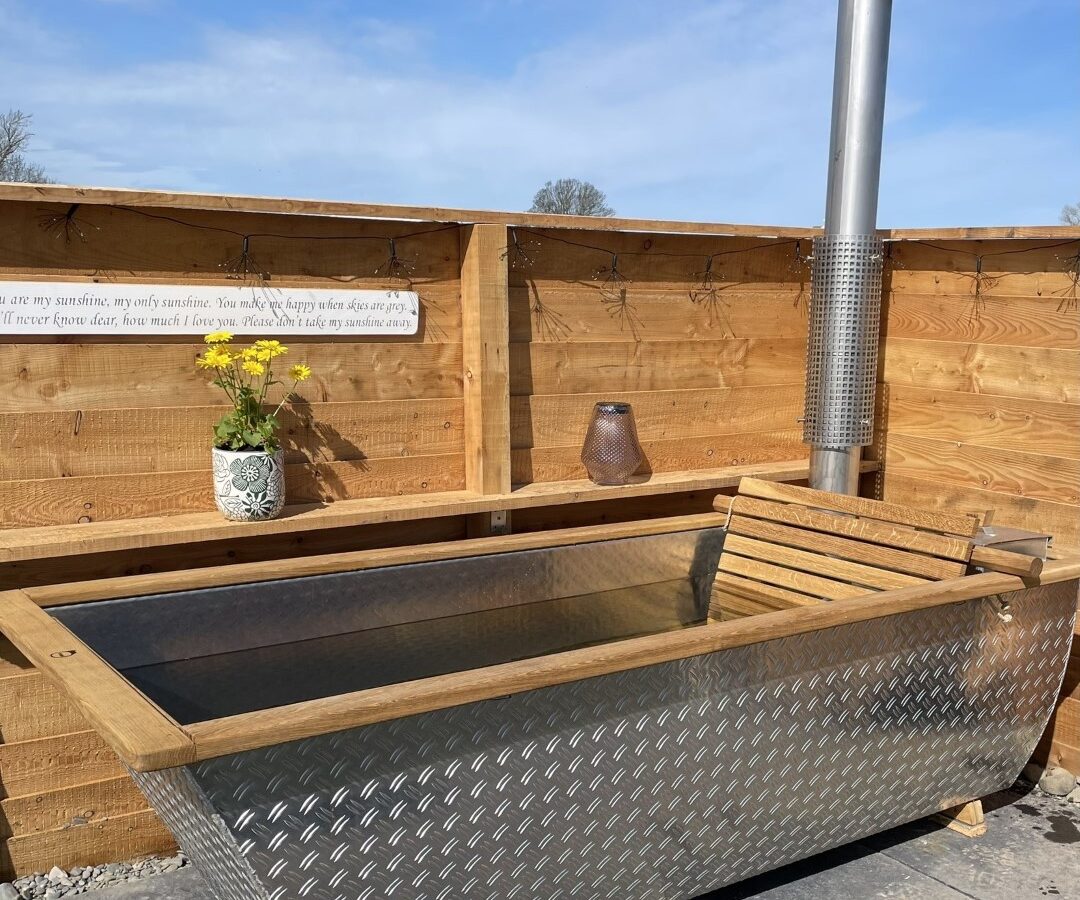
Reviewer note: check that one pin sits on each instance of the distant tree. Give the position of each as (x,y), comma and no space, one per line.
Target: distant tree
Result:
(15,136)
(571,197)
(1070,214)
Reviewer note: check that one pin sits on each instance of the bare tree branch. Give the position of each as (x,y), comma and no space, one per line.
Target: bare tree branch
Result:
(15,137)
(571,197)
(1070,214)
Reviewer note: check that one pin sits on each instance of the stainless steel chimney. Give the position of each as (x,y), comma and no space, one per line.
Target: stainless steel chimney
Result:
(841,362)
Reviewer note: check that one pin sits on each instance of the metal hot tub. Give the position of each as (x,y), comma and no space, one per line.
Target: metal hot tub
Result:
(558,722)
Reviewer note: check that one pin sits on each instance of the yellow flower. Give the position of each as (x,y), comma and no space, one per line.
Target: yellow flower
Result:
(218,337)
(250,353)
(299,372)
(273,348)
(215,358)
(253,368)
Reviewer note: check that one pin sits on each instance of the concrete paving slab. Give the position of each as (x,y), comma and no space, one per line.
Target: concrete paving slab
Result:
(184,884)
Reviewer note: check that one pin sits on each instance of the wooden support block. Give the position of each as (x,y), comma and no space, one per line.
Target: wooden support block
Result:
(966,819)
(119,837)
(485,357)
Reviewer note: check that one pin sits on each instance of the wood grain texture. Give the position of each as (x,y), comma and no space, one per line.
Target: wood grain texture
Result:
(1000,471)
(602,366)
(1061,520)
(20,544)
(1005,561)
(140,733)
(45,764)
(298,721)
(33,707)
(802,582)
(100,498)
(70,807)
(1013,321)
(561,420)
(1006,423)
(106,840)
(42,377)
(161,439)
(1030,373)
(165,200)
(554,464)
(555,312)
(897,514)
(916,564)
(900,537)
(485,353)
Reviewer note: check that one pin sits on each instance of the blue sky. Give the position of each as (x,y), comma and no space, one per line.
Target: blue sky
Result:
(682,109)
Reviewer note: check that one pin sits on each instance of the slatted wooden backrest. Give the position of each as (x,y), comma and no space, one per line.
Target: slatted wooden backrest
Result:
(792,546)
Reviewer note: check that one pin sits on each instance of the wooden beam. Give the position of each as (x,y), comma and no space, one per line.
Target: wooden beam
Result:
(58,193)
(1006,561)
(140,733)
(485,358)
(234,734)
(49,542)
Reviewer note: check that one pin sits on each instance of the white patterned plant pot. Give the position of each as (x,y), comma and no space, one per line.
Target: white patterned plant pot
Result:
(249,485)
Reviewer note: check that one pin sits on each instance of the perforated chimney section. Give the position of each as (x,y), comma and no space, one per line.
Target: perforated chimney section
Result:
(842,346)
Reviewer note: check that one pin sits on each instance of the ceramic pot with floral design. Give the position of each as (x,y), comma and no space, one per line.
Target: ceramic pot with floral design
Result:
(249,485)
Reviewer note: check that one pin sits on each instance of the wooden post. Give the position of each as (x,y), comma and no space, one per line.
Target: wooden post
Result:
(485,358)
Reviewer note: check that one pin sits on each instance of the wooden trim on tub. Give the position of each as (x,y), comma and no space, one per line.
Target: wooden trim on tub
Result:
(142,734)
(356,560)
(248,731)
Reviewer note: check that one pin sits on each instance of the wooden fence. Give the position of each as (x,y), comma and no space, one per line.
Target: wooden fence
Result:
(526,322)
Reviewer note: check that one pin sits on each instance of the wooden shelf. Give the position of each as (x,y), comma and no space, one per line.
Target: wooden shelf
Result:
(19,544)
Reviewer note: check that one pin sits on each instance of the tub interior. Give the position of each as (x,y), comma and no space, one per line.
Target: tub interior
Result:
(220,651)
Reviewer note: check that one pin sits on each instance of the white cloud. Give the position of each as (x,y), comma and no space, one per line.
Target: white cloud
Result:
(719,114)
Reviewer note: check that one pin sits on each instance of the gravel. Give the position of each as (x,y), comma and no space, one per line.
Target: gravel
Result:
(57,882)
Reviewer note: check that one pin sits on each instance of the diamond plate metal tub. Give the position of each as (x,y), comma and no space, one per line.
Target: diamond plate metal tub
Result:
(622,748)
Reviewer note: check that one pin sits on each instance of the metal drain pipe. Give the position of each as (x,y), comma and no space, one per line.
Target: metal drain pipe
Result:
(845,306)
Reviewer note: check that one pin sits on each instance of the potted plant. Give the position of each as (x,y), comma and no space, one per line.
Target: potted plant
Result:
(249,465)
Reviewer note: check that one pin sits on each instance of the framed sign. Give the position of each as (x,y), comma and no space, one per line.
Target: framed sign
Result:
(56,307)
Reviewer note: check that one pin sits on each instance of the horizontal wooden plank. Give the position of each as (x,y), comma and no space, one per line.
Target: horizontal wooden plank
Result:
(802,582)
(818,563)
(897,514)
(99,498)
(284,545)
(769,597)
(816,541)
(208,244)
(1007,561)
(1038,426)
(46,764)
(560,420)
(160,439)
(983,233)
(900,537)
(33,707)
(1031,373)
(65,194)
(600,366)
(106,840)
(17,544)
(1002,471)
(1025,321)
(111,376)
(140,733)
(1061,520)
(70,807)
(297,721)
(554,312)
(564,463)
